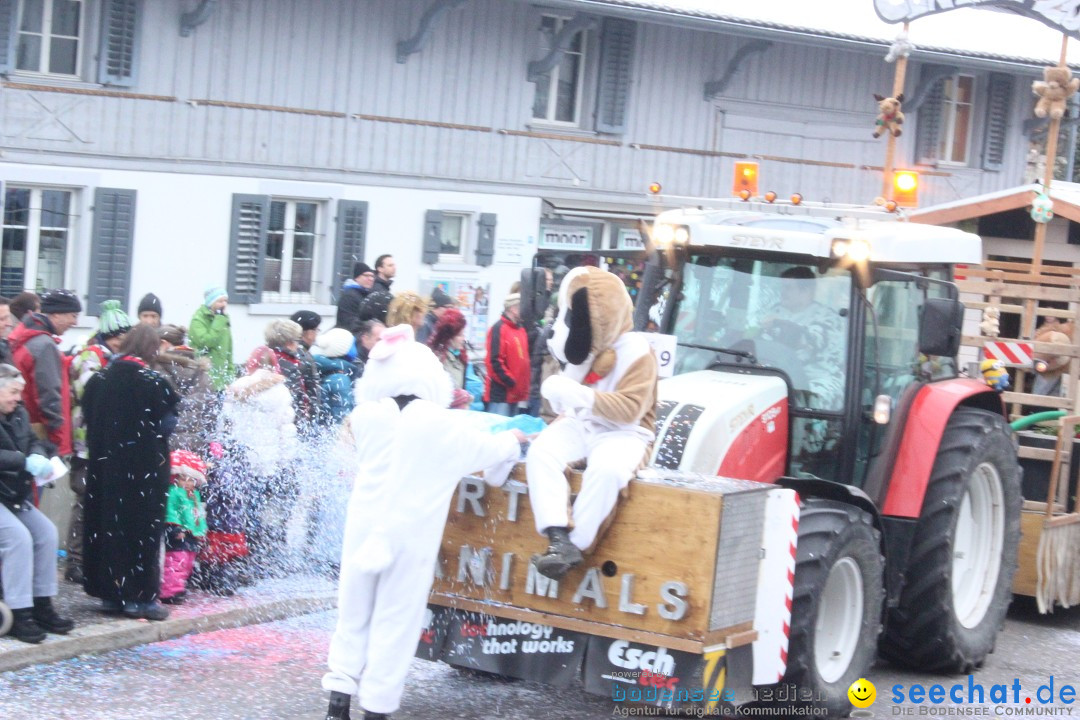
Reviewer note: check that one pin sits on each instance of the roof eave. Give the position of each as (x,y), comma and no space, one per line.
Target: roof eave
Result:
(805,36)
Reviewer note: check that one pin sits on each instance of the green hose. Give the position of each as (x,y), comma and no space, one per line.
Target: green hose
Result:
(1029,420)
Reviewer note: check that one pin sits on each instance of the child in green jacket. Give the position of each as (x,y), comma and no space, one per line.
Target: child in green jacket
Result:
(185,520)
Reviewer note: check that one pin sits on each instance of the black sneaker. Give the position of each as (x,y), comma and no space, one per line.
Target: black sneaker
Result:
(339,707)
(24,628)
(145,611)
(561,556)
(46,616)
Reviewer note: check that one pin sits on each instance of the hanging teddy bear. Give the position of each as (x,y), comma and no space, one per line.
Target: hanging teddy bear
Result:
(1054,91)
(889,117)
(606,401)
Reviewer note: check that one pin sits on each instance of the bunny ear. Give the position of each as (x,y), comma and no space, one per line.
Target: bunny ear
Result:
(392,339)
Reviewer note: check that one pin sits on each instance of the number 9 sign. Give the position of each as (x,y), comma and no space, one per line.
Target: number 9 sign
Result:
(663,347)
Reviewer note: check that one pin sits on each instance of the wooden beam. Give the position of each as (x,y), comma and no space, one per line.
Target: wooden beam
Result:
(568,623)
(944,216)
(1033,292)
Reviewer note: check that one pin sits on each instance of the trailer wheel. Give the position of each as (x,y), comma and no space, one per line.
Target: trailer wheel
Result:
(7,619)
(963,556)
(836,607)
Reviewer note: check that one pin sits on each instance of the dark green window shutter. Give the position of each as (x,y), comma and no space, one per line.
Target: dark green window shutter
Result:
(9,10)
(110,247)
(247,243)
(118,54)
(616,66)
(928,124)
(432,236)
(996,128)
(485,241)
(349,241)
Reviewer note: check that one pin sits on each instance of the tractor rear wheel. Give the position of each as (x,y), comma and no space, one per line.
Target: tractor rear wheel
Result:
(836,609)
(958,581)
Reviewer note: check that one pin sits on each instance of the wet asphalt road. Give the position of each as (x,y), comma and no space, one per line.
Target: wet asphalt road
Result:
(273,671)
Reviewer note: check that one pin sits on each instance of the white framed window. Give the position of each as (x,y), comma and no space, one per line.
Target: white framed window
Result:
(50,37)
(293,249)
(37,228)
(957,113)
(559,92)
(455,237)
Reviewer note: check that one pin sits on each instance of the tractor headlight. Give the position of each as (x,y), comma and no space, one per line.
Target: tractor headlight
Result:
(666,235)
(856,250)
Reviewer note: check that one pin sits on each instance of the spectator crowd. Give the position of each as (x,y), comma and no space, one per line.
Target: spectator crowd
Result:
(187,467)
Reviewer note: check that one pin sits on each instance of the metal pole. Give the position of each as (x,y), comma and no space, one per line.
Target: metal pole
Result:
(890,140)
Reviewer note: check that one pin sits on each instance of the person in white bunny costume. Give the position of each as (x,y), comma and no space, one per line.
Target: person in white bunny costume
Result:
(606,399)
(411,451)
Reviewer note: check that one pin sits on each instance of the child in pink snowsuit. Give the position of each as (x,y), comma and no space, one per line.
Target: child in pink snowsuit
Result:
(185,524)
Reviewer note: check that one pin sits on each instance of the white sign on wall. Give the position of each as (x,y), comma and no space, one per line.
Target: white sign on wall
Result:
(509,251)
(565,237)
(629,240)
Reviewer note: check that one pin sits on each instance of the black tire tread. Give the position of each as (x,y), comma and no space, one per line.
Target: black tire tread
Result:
(821,524)
(920,632)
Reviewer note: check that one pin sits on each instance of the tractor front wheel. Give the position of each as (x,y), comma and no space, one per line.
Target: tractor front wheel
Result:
(837,602)
(958,581)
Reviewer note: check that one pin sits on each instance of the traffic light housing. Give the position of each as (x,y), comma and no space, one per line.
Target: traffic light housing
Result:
(905,187)
(746,178)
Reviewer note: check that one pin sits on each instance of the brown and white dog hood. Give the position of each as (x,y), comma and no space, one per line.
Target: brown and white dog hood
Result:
(593,335)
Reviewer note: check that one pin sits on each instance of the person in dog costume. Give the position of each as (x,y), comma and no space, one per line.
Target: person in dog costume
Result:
(606,401)
(411,452)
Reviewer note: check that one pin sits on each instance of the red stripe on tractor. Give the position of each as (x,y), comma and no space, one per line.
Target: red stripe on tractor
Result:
(1009,354)
(787,602)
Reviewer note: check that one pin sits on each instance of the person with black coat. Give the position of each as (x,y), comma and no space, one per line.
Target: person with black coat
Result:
(130,412)
(377,302)
(28,539)
(353,294)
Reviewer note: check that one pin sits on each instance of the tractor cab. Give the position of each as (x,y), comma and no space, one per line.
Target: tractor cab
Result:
(820,317)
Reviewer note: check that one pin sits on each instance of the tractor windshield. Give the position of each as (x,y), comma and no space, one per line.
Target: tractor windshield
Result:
(780,314)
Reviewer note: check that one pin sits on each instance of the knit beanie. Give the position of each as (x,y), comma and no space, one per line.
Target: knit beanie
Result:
(59,301)
(360,268)
(335,342)
(440,299)
(511,300)
(112,321)
(213,294)
(187,464)
(306,319)
(172,334)
(279,333)
(149,303)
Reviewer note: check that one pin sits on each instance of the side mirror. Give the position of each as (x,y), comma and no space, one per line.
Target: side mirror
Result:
(941,326)
(534,295)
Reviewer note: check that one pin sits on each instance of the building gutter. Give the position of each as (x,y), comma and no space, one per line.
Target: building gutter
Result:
(749,29)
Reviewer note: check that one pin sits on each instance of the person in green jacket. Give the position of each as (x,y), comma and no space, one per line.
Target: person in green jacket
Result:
(210,335)
(185,524)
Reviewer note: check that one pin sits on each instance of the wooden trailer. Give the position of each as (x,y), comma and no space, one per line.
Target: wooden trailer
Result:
(1049,556)
(644,613)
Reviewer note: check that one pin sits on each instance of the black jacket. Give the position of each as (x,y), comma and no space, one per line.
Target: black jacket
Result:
(348,307)
(377,303)
(17,441)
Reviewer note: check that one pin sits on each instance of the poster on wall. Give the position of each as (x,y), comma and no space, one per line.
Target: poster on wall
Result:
(472,299)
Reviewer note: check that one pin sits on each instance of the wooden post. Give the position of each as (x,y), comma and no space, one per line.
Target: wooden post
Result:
(1030,320)
(890,140)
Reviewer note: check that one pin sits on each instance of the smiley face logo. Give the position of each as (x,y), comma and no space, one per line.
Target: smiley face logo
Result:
(862,693)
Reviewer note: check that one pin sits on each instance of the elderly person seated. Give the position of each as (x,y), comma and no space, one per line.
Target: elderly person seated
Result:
(27,538)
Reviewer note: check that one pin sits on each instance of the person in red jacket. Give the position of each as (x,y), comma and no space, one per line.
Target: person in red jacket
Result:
(508,366)
(34,349)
